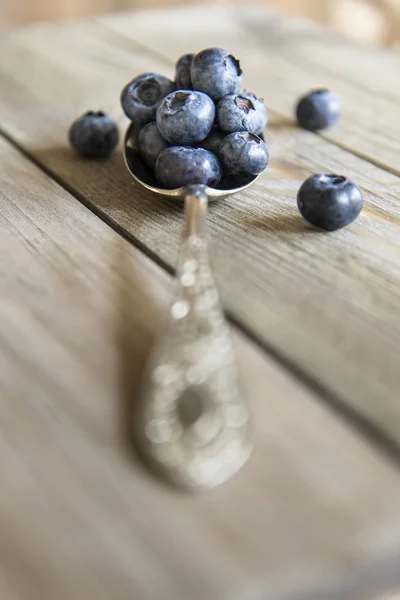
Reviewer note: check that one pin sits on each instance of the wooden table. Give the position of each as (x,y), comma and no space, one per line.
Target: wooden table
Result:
(86,266)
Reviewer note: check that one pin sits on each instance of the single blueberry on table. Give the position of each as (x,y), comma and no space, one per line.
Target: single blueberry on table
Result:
(141,97)
(182,72)
(179,165)
(94,134)
(243,152)
(213,140)
(216,72)
(151,144)
(329,201)
(318,109)
(185,117)
(242,112)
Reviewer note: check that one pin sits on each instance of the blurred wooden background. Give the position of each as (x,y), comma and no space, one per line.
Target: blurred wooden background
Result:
(376,21)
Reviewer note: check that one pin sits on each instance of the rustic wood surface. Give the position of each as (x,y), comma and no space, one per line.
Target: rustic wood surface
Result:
(327,305)
(282,58)
(80,306)
(86,263)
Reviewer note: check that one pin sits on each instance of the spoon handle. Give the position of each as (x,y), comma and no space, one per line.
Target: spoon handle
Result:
(195,423)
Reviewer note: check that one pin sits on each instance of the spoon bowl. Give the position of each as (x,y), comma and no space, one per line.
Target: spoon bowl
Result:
(145,176)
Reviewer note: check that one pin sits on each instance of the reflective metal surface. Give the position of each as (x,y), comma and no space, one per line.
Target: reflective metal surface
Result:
(193,425)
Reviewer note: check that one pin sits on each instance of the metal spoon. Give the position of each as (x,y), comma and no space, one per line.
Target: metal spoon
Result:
(193,425)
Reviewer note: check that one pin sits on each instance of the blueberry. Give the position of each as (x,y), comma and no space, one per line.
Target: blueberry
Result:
(216,72)
(182,72)
(94,134)
(243,152)
(318,109)
(185,117)
(243,112)
(141,97)
(329,201)
(213,140)
(151,144)
(229,182)
(178,166)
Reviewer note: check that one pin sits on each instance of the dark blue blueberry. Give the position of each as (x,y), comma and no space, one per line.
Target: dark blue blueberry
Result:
(182,72)
(141,97)
(94,135)
(213,140)
(185,117)
(319,109)
(216,72)
(179,165)
(151,144)
(243,112)
(243,152)
(329,201)
(230,182)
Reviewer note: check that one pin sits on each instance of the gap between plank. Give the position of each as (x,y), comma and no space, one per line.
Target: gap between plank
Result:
(362,425)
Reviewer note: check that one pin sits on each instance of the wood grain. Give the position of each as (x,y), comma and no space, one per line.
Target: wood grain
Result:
(314,513)
(284,57)
(325,304)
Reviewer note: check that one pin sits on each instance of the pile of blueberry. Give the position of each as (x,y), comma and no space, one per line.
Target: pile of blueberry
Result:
(201,129)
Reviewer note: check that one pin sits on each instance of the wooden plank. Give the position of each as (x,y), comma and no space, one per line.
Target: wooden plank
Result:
(78,66)
(315,511)
(287,57)
(325,303)
(283,58)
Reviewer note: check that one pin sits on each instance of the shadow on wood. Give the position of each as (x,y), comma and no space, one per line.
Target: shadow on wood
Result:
(130,326)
